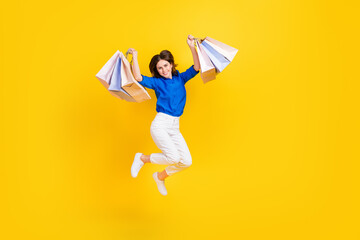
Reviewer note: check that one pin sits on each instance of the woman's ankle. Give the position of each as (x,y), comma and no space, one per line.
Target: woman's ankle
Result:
(145,158)
(162,175)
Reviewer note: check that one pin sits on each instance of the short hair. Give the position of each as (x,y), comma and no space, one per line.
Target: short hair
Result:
(164,55)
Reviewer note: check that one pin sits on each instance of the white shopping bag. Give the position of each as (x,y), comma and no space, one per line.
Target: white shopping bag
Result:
(222,48)
(207,69)
(116,75)
(104,75)
(220,62)
(115,83)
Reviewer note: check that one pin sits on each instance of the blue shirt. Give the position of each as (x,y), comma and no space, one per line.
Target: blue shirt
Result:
(170,93)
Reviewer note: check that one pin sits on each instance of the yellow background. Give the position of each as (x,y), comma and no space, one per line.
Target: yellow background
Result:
(274,139)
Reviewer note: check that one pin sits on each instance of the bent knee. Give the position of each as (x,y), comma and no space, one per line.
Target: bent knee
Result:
(186,162)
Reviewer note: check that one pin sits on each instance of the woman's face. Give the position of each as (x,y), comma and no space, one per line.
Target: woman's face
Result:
(164,68)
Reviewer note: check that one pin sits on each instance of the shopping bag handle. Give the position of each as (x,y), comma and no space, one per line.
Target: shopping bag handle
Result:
(199,39)
(126,56)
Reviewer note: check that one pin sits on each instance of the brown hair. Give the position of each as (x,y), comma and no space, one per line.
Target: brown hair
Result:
(164,55)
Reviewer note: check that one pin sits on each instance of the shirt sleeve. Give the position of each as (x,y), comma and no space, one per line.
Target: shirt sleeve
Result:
(188,74)
(148,82)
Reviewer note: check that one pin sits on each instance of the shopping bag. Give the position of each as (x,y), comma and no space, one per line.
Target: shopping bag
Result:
(225,50)
(220,62)
(104,75)
(130,90)
(129,84)
(207,69)
(115,83)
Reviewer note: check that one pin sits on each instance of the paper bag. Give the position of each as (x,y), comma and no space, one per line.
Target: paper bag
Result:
(115,83)
(207,69)
(222,48)
(104,75)
(129,84)
(219,61)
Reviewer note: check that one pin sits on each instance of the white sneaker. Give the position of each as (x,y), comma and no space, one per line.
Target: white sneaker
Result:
(137,165)
(160,184)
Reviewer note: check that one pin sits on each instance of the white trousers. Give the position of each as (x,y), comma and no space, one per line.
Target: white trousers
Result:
(167,137)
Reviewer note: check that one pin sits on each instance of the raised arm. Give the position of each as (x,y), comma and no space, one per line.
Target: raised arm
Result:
(135,65)
(190,42)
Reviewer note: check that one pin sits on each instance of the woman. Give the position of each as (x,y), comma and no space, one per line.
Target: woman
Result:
(169,87)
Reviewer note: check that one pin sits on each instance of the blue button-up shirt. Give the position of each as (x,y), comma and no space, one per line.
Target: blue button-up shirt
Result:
(170,93)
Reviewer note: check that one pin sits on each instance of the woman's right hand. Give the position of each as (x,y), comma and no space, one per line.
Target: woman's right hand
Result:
(132,51)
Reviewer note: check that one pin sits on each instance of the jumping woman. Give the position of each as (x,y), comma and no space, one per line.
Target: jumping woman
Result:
(169,87)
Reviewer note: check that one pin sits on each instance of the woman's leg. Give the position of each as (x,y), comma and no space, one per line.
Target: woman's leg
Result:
(160,132)
(185,159)
(161,175)
(145,158)
(185,156)
(166,134)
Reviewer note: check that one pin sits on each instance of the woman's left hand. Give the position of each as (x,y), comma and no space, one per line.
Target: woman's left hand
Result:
(190,41)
